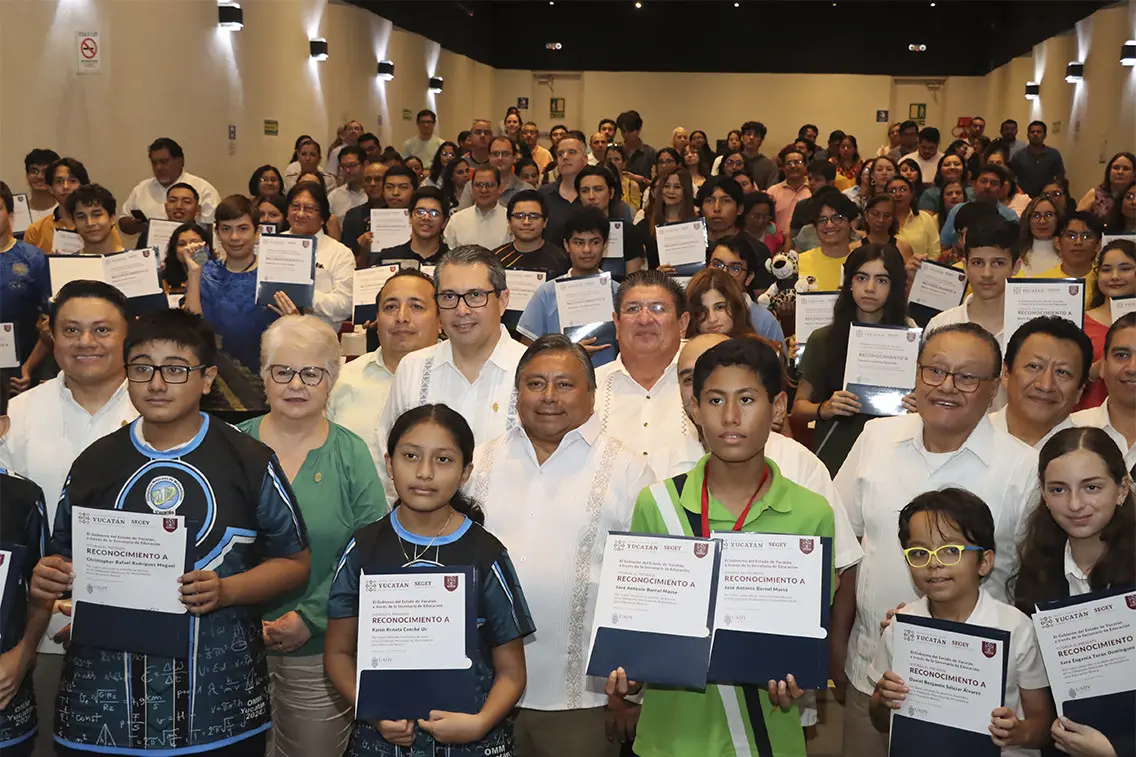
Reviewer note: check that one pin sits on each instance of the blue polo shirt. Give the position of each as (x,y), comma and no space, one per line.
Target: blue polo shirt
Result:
(542,316)
(24,292)
(948,236)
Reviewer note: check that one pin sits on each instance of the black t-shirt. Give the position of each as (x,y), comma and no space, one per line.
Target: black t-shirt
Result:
(549,258)
(403,252)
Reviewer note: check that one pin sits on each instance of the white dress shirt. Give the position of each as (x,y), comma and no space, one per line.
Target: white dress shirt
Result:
(343,198)
(1024,668)
(472,226)
(335,276)
(1099,417)
(358,398)
(927,167)
(961,314)
(887,468)
(998,420)
(554,519)
(149,196)
(1077,579)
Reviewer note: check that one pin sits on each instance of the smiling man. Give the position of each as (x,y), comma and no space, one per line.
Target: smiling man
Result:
(949,442)
(1117,416)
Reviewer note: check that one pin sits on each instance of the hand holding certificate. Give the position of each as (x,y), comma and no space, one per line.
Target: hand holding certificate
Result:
(813,311)
(880,367)
(682,243)
(286,264)
(1027,299)
(937,286)
(390,227)
(21,213)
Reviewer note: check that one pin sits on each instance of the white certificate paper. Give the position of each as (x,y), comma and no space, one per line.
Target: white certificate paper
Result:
(21,213)
(655,584)
(955,679)
(584,301)
(159,234)
(368,282)
(134,272)
(771,583)
(64,241)
(939,287)
(1088,647)
(813,311)
(614,248)
(1122,306)
(880,367)
(522,286)
(682,243)
(64,270)
(129,560)
(285,260)
(1027,299)
(390,227)
(8,357)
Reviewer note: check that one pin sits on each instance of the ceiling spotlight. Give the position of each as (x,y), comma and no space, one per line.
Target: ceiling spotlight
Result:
(435,84)
(1128,53)
(1033,90)
(318,48)
(638,5)
(737,5)
(1074,72)
(917,48)
(386,70)
(553,46)
(552,2)
(230,16)
(932,5)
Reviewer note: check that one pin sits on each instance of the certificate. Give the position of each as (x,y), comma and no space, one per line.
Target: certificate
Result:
(1027,299)
(21,213)
(522,285)
(365,288)
(614,248)
(415,633)
(1087,645)
(682,243)
(880,367)
(584,300)
(8,357)
(1122,306)
(654,609)
(286,263)
(390,227)
(956,674)
(159,234)
(266,228)
(134,272)
(813,311)
(937,286)
(63,269)
(776,586)
(66,241)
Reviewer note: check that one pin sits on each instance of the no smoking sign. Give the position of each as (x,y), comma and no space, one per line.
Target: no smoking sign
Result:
(89,53)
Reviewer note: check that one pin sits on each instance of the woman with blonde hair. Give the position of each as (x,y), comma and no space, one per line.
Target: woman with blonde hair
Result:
(337,487)
(717,305)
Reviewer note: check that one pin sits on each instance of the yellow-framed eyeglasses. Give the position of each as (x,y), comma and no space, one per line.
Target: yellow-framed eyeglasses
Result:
(947,555)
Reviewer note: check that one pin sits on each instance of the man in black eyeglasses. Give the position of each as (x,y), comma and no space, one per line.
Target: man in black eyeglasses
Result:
(502,156)
(529,250)
(429,210)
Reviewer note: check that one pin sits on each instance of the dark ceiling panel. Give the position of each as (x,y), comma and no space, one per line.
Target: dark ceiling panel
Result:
(963,37)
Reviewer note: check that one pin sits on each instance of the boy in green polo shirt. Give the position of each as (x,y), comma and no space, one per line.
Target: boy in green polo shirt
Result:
(738,396)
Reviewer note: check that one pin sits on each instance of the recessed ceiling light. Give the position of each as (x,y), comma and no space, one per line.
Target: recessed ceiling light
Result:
(737,5)
(638,5)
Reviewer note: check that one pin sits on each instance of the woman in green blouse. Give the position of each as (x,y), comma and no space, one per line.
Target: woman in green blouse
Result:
(337,486)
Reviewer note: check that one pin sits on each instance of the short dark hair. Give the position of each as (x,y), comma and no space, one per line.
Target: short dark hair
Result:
(562,127)
(993,231)
(318,194)
(1044,128)
(6,197)
(1126,321)
(504,138)
(1090,219)
(753,199)
(823,168)
(401,170)
(183,185)
(430,193)
(92,194)
(355,150)
(482,169)
(181,327)
(254,180)
(741,246)
(757,127)
(953,505)
(527,195)
(604,173)
(972,329)
(404,272)
(908,124)
(586,219)
(629,120)
(40,156)
(930,134)
(836,136)
(651,277)
(837,200)
(727,185)
(77,169)
(801,131)
(165,143)
(970,213)
(606,121)
(1009,121)
(788,150)
(1058,328)
(995,169)
(753,354)
(556,343)
(426,112)
(369,137)
(234,207)
(87,289)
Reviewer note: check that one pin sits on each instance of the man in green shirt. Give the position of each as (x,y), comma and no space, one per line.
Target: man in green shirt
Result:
(738,396)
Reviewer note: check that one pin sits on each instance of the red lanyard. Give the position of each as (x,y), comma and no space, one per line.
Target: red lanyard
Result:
(741,518)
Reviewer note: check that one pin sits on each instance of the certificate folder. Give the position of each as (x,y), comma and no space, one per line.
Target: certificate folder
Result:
(412,694)
(911,737)
(748,657)
(302,295)
(124,629)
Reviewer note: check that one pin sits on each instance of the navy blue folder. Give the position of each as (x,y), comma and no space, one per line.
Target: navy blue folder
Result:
(1111,714)
(883,400)
(302,295)
(412,694)
(12,592)
(122,629)
(918,738)
(743,657)
(658,658)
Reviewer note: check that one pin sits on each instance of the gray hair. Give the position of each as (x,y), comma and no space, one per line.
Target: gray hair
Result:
(474,254)
(556,343)
(304,332)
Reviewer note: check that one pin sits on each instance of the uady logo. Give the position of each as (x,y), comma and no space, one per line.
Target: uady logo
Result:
(1074,290)
(170,524)
(989,649)
(701,549)
(1130,600)
(806,546)
(164,494)
(450,582)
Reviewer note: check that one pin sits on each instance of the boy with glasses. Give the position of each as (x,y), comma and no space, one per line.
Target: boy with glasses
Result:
(41,201)
(429,211)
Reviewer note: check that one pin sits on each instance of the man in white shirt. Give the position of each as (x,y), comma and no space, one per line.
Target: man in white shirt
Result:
(167,161)
(350,194)
(472,371)
(1044,373)
(552,488)
(1117,416)
(927,154)
(427,142)
(55,421)
(948,443)
(503,155)
(485,223)
(407,321)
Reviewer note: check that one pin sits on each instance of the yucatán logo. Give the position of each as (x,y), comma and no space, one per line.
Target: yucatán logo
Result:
(806,546)
(989,649)
(450,582)
(164,494)
(701,549)
(1130,600)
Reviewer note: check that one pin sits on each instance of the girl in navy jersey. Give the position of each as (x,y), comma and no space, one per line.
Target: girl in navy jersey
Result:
(429,456)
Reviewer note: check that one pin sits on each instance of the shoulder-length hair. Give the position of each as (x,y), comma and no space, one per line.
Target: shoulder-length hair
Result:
(1126,246)
(1108,168)
(1114,224)
(173,270)
(658,214)
(714,279)
(942,210)
(1025,233)
(436,165)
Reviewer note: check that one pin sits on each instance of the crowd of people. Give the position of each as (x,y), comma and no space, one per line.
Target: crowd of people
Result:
(474,426)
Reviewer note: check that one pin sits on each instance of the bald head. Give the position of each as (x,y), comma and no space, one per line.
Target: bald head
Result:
(687,357)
